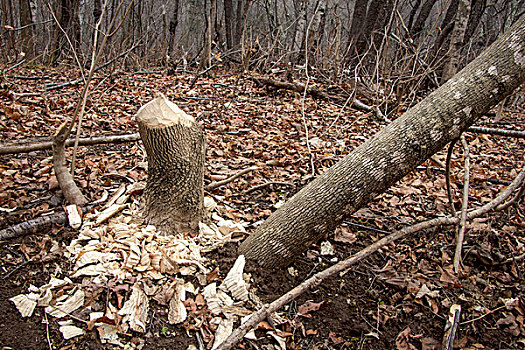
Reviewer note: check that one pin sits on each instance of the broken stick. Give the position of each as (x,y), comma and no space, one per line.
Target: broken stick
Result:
(83,141)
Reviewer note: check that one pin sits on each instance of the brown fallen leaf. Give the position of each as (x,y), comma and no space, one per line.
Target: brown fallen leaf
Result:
(312,332)
(512,326)
(430,344)
(403,340)
(309,306)
(335,339)
(264,325)
(344,235)
(199,300)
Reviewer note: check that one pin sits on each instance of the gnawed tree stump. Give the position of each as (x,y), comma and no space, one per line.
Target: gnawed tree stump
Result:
(175,146)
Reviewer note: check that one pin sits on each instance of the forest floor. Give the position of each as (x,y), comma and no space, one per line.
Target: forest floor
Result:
(398,298)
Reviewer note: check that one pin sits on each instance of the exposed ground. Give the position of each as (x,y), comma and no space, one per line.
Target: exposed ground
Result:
(373,306)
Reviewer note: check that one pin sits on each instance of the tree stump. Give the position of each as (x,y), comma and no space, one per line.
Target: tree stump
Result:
(175,147)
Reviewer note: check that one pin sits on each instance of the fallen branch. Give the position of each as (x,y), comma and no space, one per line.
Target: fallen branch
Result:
(66,181)
(464,206)
(447,177)
(499,132)
(316,279)
(83,141)
(216,184)
(37,225)
(298,87)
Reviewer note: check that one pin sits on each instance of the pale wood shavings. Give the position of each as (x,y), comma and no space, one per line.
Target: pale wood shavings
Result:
(74,216)
(135,309)
(223,331)
(67,306)
(70,331)
(109,212)
(25,303)
(234,282)
(94,257)
(177,311)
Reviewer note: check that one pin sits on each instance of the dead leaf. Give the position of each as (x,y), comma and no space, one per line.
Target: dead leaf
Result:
(309,306)
(335,339)
(343,234)
(430,344)
(403,340)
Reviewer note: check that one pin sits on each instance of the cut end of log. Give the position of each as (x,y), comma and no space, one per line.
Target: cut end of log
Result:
(162,113)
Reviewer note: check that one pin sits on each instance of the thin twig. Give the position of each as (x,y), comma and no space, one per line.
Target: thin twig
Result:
(451,327)
(500,132)
(13,148)
(7,275)
(482,316)
(447,177)
(464,206)
(47,332)
(303,100)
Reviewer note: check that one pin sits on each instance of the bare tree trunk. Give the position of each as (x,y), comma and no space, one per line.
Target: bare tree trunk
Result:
(97,12)
(358,20)
(211,15)
(421,19)
(391,154)
(67,15)
(26,20)
(174,22)
(242,12)
(300,30)
(413,12)
(446,28)
(476,12)
(385,11)
(175,146)
(456,40)
(228,23)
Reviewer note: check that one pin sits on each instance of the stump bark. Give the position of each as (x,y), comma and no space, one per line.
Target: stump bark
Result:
(175,147)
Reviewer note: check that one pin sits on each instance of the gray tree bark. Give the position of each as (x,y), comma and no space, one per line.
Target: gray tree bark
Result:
(210,31)
(175,146)
(174,22)
(26,20)
(456,40)
(228,23)
(391,154)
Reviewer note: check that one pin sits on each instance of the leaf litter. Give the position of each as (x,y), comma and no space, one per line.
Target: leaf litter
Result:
(411,278)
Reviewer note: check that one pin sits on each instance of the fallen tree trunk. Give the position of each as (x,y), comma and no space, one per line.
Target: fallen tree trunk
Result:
(83,141)
(391,154)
